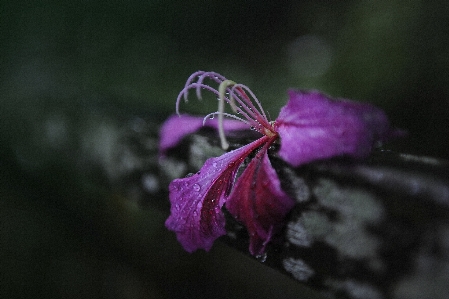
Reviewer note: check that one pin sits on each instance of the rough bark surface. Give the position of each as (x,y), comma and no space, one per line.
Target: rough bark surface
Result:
(377,228)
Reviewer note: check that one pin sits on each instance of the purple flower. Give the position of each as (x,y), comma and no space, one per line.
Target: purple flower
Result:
(310,127)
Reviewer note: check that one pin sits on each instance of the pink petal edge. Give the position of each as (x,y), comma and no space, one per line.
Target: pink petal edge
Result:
(259,202)
(196,201)
(176,127)
(313,126)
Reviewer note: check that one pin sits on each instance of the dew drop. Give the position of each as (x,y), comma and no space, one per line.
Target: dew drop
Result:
(214,164)
(261,257)
(177,207)
(196,188)
(173,188)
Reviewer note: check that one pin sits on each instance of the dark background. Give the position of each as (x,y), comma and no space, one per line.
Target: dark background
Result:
(73,73)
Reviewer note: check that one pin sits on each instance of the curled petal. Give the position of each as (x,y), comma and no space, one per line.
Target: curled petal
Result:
(196,201)
(176,127)
(258,201)
(313,126)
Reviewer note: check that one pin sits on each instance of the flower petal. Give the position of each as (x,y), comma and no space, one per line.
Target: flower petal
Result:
(313,126)
(176,127)
(259,202)
(196,201)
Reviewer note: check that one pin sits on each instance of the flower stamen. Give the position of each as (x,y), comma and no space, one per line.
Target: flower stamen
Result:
(222,96)
(238,96)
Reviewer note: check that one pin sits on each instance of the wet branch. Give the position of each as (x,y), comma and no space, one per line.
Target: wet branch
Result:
(377,228)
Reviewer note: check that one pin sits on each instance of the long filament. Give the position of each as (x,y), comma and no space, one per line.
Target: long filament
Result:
(211,115)
(222,91)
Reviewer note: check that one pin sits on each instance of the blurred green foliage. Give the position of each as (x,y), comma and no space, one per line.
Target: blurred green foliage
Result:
(67,66)
(392,53)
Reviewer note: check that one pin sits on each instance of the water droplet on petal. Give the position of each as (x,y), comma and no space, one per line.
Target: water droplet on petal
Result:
(196,188)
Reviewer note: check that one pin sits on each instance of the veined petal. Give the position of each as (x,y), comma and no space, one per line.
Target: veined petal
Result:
(176,127)
(196,201)
(313,126)
(259,202)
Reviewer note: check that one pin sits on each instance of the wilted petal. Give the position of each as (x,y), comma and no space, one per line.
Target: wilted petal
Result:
(313,126)
(196,201)
(258,201)
(176,127)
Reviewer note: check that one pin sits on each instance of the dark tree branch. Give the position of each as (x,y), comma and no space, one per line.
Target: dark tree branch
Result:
(377,228)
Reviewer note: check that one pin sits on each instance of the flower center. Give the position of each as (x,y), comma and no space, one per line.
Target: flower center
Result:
(270,132)
(254,116)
